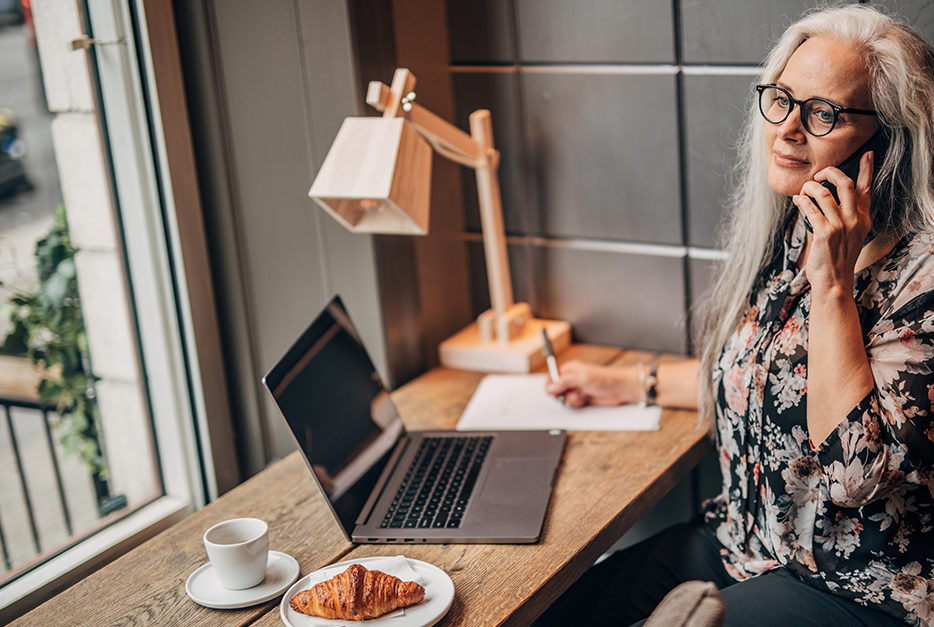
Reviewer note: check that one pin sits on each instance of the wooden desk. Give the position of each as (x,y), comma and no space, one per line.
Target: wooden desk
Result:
(606,482)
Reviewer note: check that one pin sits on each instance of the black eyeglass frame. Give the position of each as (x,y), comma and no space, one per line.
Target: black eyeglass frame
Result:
(837,109)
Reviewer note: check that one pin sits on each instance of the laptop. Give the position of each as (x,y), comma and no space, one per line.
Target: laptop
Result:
(387,485)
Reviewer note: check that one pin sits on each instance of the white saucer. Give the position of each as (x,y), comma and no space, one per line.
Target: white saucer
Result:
(204,588)
(439,595)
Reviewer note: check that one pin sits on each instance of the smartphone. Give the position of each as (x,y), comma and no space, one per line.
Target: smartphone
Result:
(878,144)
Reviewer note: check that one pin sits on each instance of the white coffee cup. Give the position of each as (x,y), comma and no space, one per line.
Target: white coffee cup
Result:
(238,550)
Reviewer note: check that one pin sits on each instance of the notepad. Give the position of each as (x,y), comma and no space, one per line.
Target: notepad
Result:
(519,401)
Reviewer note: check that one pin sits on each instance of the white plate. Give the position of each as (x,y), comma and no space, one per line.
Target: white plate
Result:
(205,589)
(439,595)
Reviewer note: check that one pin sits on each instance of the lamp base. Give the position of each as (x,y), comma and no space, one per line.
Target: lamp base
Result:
(466,350)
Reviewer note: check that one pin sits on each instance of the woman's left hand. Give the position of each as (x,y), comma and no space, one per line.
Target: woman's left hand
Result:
(839,230)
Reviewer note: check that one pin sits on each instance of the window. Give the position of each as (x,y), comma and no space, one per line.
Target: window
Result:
(131,205)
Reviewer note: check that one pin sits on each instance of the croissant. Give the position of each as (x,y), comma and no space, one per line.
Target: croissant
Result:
(357,594)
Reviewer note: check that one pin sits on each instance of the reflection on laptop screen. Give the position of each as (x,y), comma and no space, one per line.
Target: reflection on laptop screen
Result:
(330,394)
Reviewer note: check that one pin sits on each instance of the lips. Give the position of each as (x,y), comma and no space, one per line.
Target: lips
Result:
(788,161)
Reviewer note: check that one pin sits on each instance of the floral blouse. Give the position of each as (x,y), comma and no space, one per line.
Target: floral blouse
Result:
(852,516)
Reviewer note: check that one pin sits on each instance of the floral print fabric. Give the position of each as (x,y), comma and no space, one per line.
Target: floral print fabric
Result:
(852,516)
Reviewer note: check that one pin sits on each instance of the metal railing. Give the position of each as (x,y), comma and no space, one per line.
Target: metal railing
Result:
(23,515)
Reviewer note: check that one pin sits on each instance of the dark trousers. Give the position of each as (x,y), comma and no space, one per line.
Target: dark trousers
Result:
(624,588)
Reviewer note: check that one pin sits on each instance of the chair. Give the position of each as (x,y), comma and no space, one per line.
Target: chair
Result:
(692,604)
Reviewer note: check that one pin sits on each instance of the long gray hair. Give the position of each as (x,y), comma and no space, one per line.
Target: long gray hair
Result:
(901,69)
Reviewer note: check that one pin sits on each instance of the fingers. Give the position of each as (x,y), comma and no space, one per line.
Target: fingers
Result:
(574,384)
(570,376)
(589,384)
(866,166)
(575,399)
(830,201)
(844,206)
(851,196)
(808,205)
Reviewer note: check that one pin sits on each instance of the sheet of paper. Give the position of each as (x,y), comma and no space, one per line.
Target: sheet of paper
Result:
(519,401)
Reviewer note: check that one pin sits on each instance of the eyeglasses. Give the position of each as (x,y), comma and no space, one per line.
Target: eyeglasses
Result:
(818,116)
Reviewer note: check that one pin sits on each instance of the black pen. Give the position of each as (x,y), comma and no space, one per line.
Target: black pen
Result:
(550,360)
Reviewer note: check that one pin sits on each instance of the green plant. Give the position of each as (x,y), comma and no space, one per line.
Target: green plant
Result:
(48,328)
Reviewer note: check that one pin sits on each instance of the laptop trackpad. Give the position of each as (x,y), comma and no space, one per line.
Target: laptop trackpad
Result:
(511,477)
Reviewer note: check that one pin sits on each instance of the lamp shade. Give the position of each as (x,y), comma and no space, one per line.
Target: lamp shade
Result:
(376,178)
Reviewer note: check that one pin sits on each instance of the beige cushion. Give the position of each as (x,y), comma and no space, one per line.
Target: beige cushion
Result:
(692,604)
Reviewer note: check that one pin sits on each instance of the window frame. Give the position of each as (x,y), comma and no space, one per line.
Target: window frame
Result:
(136,77)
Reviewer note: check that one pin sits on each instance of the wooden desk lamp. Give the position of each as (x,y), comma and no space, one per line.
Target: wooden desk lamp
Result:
(376,178)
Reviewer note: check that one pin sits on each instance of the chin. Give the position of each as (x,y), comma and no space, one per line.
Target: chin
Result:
(784,187)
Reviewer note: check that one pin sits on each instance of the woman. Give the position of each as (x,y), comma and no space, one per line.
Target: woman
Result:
(816,355)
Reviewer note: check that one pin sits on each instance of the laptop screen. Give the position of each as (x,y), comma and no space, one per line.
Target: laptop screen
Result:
(331,396)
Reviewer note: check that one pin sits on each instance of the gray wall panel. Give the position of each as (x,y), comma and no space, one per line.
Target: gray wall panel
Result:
(481,31)
(735,31)
(612,298)
(595,31)
(603,156)
(496,91)
(714,110)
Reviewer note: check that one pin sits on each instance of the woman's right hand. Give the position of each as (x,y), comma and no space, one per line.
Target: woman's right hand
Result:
(589,384)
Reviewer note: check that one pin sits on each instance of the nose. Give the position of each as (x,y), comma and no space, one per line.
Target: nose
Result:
(792,128)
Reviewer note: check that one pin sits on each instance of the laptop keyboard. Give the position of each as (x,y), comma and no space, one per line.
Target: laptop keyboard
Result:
(438,484)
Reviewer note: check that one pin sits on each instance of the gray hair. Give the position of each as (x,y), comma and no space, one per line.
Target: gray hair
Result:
(901,70)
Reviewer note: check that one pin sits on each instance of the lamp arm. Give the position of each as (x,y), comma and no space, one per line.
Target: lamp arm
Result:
(446,152)
(475,151)
(494,232)
(450,141)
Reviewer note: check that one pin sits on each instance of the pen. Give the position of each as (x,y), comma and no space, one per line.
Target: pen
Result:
(550,360)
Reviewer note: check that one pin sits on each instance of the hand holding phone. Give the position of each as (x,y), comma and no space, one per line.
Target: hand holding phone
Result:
(878,144)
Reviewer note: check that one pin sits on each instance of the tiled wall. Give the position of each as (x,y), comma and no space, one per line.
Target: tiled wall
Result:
(616,121)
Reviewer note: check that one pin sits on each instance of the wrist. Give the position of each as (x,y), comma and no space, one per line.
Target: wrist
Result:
(831,294)
(829,283)
(627,388)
